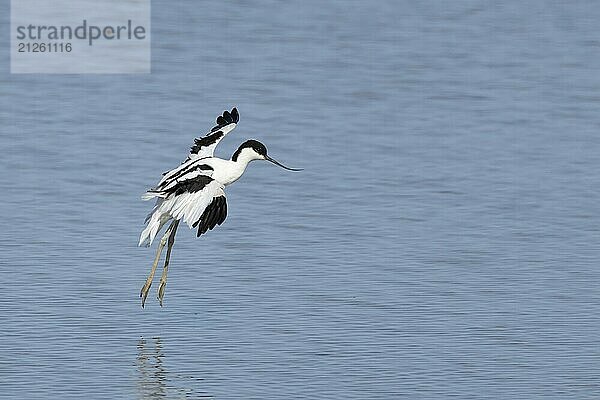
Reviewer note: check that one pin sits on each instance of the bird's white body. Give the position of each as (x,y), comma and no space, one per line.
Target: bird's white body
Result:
(229,171)
(190,205)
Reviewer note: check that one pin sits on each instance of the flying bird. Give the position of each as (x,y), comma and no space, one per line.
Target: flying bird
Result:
(195,192)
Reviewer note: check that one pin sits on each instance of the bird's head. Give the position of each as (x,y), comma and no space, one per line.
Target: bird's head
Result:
(252,150)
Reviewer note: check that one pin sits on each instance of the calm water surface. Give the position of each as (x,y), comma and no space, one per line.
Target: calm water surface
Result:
(442,241)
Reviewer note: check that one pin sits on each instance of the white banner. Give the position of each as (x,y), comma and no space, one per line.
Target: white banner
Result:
(80,36)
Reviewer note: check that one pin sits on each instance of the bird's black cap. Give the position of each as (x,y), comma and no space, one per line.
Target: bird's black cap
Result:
(252,144)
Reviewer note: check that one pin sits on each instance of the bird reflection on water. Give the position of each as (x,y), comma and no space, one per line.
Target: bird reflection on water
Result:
(154,381)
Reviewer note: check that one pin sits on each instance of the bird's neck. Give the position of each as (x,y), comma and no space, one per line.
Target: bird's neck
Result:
(241,163)
(243,158)
(232,172)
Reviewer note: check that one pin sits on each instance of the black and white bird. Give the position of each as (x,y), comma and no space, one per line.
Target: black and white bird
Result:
(194,191)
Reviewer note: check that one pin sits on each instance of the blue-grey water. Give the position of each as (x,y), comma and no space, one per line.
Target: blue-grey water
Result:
(443,240)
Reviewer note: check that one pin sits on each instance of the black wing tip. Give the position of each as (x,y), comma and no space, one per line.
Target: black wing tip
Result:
(228,117)
(235,114)
(213,215)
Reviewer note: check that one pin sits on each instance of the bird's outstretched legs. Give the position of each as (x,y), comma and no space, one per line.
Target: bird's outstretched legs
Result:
(163,278)
(161,244)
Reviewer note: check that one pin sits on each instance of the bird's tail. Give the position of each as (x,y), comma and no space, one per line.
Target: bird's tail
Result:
(155,220)
(145,236)
(154,226)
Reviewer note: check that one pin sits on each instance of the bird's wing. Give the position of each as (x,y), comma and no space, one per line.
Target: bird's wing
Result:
(205,146)
(202,148)
(189,169)
(199,201)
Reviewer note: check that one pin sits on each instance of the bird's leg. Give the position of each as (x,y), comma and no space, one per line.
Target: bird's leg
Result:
(163,278)
(161,244)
